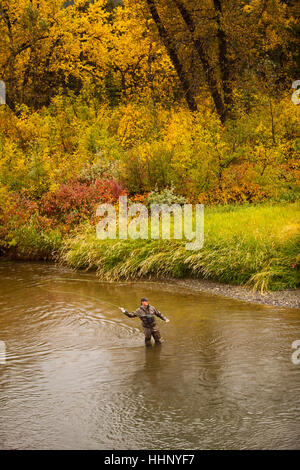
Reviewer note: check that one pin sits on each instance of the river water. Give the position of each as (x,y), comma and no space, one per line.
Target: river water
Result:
(78,376)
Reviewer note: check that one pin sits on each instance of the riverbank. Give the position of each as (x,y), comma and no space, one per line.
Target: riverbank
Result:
(246,248)
(288,298)
(253,246)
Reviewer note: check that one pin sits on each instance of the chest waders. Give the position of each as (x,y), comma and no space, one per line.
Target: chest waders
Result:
(150,329)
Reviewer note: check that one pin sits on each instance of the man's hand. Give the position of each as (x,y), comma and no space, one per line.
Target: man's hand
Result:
(122,309)
(167,320)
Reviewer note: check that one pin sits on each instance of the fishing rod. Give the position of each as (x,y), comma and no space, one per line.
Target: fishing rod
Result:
(81,295)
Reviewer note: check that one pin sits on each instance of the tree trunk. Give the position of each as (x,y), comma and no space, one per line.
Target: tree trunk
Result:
(208,70)
(173,56)
(223,58)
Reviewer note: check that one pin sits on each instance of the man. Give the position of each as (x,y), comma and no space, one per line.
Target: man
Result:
(146,313)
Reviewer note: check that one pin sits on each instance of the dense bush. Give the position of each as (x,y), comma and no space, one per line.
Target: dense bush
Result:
(24,232)
(166,196)
(76,201)
(141,149)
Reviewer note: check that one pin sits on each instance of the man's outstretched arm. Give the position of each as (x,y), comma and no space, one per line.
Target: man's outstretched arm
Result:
(160,315)
(128,314)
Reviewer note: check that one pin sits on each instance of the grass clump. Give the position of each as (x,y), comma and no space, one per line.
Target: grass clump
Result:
(30,243)
(254,245)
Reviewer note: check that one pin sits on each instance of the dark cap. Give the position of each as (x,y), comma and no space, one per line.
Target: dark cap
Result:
(144,299)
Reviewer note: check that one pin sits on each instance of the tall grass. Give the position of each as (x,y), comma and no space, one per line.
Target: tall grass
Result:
(30,243)
(249,245)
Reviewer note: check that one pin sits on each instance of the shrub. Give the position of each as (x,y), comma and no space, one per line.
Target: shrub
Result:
(102,169)
(166,196)
(30,243)
(24,232)
(75,201)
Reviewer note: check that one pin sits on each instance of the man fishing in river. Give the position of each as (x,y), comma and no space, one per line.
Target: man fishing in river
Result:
(146,313)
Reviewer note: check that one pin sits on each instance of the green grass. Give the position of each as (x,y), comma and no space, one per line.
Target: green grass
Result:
(253,245)
(29,243)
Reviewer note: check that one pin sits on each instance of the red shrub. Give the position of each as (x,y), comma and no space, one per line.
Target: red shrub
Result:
(75,201)
(16,211)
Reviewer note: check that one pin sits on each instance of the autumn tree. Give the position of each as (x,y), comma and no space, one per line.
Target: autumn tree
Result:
(45,45)
(212,53)
(219,44)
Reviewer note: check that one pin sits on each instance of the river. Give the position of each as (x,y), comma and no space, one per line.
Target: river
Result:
(78,376)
